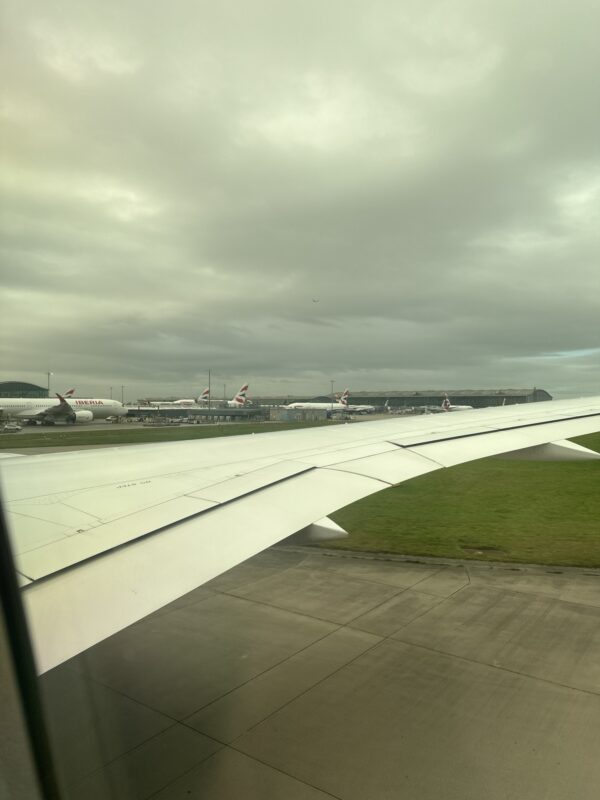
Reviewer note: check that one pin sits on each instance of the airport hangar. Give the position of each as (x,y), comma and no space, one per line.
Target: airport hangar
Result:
(272,407)
(21,389)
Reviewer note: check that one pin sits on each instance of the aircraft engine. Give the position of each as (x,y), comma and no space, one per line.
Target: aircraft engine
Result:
(82,416)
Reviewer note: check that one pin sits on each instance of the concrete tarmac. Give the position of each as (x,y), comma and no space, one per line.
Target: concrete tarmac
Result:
(305,674)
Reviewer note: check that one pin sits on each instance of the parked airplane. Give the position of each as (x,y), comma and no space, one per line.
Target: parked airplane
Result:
(185,402)
(341,404)
(237,401)
(448,406)
(47,410)
(399,410)
(356,409)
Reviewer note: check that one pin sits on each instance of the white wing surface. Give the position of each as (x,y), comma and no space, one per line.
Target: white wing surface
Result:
(104,537)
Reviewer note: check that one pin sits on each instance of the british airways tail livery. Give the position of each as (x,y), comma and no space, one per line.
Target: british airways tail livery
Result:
(448,406)
(240,398)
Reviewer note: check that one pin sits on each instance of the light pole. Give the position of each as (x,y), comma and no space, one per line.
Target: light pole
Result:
(48,374)
(331,395)
(209,390)
(122,395)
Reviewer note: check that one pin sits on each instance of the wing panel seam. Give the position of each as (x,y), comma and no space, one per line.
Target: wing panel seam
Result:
(494,430)
(161,529)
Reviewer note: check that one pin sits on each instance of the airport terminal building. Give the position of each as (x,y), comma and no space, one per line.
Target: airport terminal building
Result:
(414,398)
(394,399)
(20,389)
(478,398)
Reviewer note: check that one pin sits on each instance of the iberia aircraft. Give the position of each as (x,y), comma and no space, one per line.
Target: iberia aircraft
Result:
(47,410)
(102,538)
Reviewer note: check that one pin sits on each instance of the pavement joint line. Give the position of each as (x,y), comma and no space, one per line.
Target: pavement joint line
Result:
(258,675)
(232,593)
(499,667)
(414,619)
(379,582)
(102,768)
(257,580)
(470,565)
(378,605)
(287,774)
(541,595)
(280,608)
(183,774)
(121,693)
(402,590)
(314,686)
(340,626)
(512,590)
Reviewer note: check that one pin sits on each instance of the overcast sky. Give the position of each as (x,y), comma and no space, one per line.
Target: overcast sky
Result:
(387,194)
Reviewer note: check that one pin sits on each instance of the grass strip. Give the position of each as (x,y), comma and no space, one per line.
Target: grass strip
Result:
(488,510)
(137,435)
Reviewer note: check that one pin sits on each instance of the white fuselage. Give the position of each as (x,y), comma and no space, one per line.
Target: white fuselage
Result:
(361,409)
(320,406)
(27,407)
(183,403)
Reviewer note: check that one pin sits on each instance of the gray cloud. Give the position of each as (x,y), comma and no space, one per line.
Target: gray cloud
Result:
(180,183)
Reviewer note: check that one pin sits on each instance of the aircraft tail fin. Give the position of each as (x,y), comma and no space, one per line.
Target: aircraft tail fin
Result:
(240,397)
(205,396)
(446,403)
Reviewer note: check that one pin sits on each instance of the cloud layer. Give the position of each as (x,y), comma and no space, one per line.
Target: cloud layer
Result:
(391,195)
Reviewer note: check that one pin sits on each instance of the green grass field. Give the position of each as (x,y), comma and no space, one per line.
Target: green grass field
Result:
(543,513)
(137,435)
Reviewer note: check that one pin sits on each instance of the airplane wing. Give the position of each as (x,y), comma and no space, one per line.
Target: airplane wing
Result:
(60,411)
(104,537)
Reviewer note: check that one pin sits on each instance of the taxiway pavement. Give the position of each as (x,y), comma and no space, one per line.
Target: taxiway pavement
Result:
(306,674)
